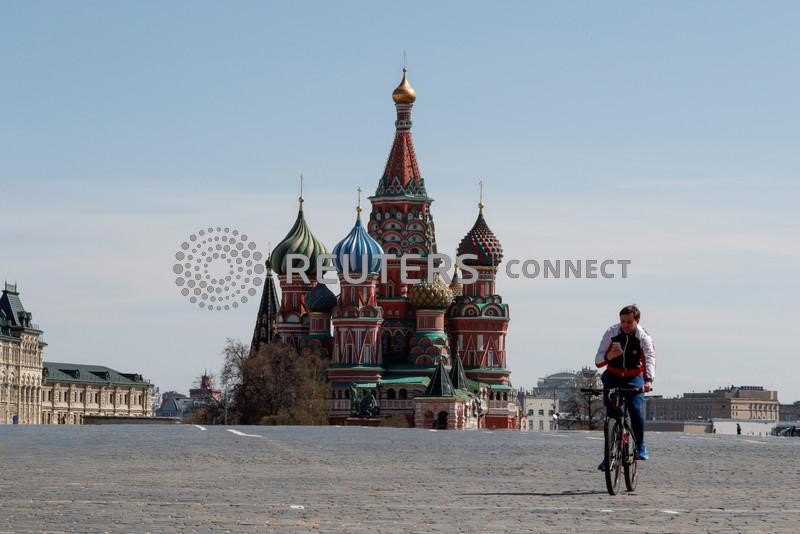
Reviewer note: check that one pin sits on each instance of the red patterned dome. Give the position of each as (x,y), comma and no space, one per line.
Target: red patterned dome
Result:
(481,241)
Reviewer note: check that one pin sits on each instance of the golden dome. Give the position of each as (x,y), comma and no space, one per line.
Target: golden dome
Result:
(404,94)
(430,295)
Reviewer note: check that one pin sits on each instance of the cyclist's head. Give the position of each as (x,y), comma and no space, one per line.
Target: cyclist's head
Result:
(629,317)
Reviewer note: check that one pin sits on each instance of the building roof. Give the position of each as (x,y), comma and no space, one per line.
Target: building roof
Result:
(10,305)
(457,375)
(401,176)
(435,295)
(440,384)
(406,380)
(90,374)
(267,313)
(12,313)
(481,242)
(320,299)
(357,250)
(299,241)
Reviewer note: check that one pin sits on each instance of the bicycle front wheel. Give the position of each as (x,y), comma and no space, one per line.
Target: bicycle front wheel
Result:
(614,455)
(630,464)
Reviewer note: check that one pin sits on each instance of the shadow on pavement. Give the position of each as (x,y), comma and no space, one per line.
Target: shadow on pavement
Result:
(570,493)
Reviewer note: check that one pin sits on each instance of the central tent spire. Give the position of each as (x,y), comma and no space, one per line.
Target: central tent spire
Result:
(401,176)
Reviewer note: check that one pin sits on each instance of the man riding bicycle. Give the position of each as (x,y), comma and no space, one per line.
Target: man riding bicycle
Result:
(628,354)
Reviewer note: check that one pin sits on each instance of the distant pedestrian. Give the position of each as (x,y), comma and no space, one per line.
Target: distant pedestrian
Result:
(738,429)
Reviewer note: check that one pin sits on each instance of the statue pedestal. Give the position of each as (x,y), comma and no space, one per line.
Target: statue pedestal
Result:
(367,421)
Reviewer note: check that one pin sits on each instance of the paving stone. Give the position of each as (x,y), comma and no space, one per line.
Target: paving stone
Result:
(180,478)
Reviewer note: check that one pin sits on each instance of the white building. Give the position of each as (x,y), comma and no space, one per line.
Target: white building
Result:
(540,413)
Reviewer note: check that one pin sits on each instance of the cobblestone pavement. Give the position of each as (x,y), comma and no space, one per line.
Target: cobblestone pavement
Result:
(283,479)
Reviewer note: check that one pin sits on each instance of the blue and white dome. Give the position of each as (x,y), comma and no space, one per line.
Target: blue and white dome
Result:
(354,248)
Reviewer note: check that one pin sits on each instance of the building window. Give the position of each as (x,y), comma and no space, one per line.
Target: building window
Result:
(541,412)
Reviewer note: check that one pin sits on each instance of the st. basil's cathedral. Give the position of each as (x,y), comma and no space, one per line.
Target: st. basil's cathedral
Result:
(430,352)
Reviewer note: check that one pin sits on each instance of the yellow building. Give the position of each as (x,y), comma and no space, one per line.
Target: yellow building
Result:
(20,361)
(33,391)
(71,391)
(742,403)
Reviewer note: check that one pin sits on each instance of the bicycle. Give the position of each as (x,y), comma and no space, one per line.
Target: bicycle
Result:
(620,443)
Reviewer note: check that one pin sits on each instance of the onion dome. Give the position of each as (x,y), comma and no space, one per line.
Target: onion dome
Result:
(455,284)
(320,299)
(481,241)
(404,94)
(357,250)
(301,241)
(430,295)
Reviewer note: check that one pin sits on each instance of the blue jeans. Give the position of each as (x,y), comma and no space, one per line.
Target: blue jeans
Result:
(635,401)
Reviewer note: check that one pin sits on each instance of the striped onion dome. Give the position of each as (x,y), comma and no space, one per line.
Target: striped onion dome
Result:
(299,240)
(320,299)
(356,249)
(481,241)
(434,295)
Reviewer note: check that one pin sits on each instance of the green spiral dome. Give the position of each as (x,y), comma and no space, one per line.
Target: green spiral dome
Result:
(301,241)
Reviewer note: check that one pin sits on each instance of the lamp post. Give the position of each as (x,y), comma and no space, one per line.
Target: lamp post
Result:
(226,404)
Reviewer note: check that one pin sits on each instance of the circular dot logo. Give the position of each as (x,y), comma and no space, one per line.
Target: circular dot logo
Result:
(218,268)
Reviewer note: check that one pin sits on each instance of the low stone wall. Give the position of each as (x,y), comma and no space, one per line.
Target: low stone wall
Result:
(678,426)
(122,420)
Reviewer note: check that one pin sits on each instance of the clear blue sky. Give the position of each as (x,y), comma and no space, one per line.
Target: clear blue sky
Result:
(664,133)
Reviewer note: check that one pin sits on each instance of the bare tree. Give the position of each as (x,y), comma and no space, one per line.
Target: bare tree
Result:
(276,385)
(236,354)
(583,410)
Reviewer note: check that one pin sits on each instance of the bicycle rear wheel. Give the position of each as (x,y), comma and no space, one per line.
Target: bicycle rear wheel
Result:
(614,455)
(630,464)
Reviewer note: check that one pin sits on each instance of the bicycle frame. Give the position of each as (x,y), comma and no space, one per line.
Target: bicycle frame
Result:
(619,441)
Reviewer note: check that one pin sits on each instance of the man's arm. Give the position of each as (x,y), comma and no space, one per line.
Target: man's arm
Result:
(602,350)
(649,349)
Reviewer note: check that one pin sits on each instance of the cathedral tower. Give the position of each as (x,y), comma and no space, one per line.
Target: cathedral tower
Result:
(401,222)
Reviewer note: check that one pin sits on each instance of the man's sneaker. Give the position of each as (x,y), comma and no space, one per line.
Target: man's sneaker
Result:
(602,466)
(641,453)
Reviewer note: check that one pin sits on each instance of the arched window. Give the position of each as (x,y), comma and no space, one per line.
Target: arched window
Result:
(390,394)
(399,342)
(385,340)
(403,393)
